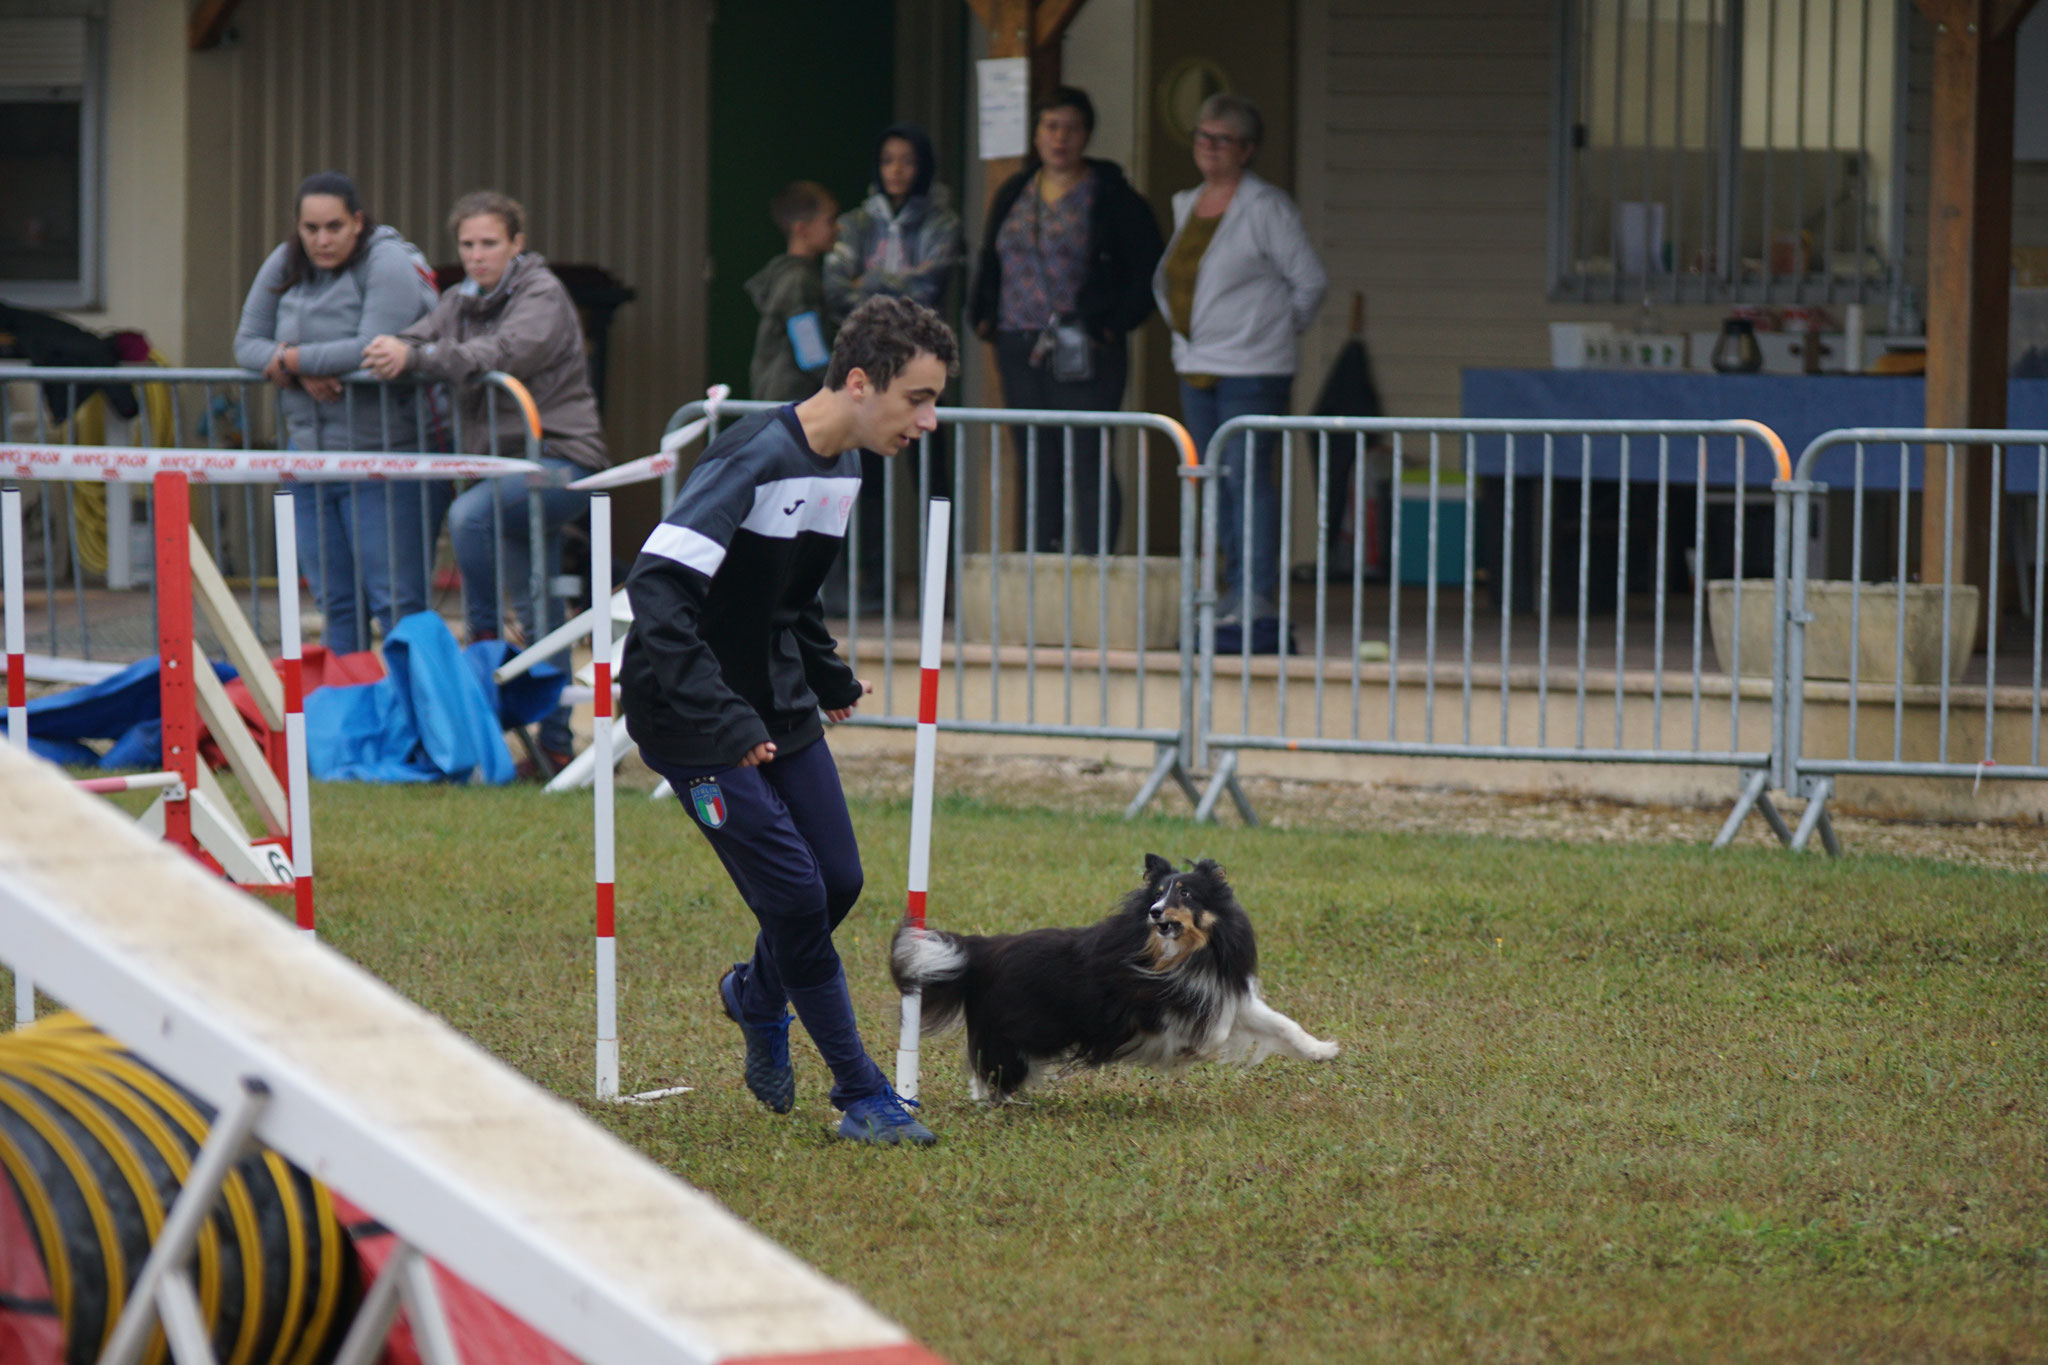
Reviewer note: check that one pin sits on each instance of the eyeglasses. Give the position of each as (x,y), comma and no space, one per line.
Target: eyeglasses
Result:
(1205,138)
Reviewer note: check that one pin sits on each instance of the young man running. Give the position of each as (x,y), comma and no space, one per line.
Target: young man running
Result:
(728,663)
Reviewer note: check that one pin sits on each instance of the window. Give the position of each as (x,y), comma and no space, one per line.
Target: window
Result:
(51,111)
(1713,150)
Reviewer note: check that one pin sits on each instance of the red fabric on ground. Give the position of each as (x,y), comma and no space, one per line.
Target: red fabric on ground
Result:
(318,668)
(26,1337)
(482,1330)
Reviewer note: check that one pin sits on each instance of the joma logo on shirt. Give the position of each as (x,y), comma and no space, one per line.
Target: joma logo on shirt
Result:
(790,510)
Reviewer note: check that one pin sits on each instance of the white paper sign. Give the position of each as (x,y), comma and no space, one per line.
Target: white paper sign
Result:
(1004,85)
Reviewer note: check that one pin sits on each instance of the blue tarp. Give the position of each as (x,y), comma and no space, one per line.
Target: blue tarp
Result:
(125,708)
(527,698)
(434,716)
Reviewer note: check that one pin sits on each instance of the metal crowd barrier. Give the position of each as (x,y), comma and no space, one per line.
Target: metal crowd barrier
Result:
(1877,676)
(1370,695)
(1033,627)
(85,575)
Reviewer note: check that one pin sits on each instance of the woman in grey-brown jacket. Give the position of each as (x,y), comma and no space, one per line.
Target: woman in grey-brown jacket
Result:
(512,314)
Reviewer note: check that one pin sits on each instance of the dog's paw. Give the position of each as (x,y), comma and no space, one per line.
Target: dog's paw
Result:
(1321,1050)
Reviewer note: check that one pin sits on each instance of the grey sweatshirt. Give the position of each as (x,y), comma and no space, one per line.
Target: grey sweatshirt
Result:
(330,315)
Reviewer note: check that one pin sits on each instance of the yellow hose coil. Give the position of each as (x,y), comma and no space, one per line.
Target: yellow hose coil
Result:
(94,1145)
(87,426)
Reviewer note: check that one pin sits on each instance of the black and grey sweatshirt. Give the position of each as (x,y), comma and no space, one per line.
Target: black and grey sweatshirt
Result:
(728,646)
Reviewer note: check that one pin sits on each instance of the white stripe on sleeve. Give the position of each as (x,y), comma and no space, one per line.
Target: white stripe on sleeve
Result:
(684,546)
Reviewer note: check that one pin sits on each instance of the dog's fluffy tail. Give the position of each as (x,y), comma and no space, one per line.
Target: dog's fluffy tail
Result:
(935,964)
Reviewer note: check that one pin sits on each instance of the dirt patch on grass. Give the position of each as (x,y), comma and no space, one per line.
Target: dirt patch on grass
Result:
(1084,786)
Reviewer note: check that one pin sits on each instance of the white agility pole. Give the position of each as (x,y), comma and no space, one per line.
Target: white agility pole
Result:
(650,467)
(932,608)
(17,679)
(299,794)
(601,740)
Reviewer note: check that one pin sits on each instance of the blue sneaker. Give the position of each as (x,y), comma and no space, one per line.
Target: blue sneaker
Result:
(768,1072)
(885,1119)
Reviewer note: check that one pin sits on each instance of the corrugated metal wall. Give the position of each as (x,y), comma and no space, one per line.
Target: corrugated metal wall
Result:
(1431,168)
(592,114)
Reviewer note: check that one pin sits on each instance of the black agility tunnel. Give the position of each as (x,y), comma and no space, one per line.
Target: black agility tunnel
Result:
(94,1146)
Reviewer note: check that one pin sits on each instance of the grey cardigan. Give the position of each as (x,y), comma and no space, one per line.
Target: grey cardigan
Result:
(330,315)
(1258,287)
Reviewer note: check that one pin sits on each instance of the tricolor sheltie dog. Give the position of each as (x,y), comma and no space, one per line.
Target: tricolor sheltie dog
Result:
(1167,980)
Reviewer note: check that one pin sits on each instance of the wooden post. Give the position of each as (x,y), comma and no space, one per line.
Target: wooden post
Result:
(1034,29)
(1969,267)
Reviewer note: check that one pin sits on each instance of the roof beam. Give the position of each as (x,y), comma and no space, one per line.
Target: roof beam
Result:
(209,23)
(2005,16)
(1053,16)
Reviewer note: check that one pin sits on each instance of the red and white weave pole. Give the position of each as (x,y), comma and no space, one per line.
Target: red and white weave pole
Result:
(601,740)
(932,610)
(298,781)
(178,693)
(130,782)
(17,629)
(17,678)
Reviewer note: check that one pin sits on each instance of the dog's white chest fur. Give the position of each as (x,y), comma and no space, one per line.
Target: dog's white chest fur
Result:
(1242,1028)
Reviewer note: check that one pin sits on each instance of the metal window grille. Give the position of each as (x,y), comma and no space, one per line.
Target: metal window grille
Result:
(1729,150)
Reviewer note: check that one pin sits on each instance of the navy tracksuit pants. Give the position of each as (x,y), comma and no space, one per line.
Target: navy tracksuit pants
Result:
(783,833)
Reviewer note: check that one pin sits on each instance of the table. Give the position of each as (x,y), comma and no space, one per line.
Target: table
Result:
(1797,407)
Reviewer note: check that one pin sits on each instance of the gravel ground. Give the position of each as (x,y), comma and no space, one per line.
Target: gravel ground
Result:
(1079,785)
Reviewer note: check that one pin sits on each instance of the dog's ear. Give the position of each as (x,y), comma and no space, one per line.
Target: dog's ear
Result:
(1210,867)
(1156,867)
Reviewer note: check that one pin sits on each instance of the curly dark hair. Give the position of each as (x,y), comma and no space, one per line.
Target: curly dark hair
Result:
(885,334)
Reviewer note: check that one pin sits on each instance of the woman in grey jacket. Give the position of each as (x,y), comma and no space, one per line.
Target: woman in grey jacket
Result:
(316,303)
(1238,284)
(512,314)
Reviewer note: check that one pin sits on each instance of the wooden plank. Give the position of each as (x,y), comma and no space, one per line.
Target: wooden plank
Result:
(589,1241)
(209,23)
(210,592)
(231,733)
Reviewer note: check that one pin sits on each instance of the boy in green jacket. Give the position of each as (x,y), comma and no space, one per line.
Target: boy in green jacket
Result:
(794,341)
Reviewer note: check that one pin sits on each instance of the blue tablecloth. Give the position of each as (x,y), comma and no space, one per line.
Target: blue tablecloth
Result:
(1797,407)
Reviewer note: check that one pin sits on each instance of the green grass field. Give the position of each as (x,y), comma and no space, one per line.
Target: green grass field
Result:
(1637,1102)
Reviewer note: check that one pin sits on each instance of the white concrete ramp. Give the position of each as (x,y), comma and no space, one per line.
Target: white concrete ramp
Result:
(508,1186)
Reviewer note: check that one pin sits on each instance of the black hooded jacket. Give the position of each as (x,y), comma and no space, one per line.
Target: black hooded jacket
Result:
(1124,246)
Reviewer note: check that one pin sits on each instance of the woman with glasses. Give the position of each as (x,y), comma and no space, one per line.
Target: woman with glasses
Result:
(1238,284)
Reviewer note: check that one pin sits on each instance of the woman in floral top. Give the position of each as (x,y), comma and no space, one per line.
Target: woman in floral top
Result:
(1069,241)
